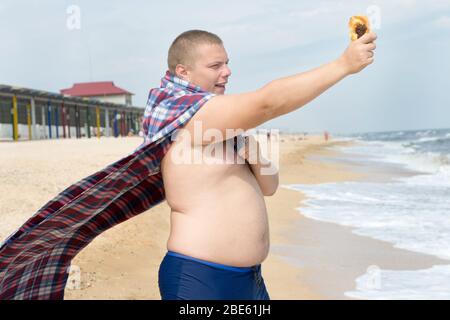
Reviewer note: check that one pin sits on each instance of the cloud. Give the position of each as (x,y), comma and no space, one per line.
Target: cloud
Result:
(309,13)
(266,39)
(288,24)
(442,22)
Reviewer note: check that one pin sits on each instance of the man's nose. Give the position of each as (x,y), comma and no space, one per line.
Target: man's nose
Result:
(227,71)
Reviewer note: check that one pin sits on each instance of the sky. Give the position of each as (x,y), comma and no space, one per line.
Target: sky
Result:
(45,46)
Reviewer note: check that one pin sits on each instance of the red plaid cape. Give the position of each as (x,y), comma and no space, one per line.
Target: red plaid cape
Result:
(34,260)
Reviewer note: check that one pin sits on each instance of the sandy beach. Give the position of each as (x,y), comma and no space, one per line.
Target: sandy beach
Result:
(308,259)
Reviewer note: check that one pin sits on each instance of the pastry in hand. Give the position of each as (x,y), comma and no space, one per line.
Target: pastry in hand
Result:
(359,25)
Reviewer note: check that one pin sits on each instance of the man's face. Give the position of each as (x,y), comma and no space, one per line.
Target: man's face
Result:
(211,71)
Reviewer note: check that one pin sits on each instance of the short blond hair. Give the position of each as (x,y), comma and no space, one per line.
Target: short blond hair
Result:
(182,50)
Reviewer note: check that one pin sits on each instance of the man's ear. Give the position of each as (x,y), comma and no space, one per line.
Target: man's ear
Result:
(181,72)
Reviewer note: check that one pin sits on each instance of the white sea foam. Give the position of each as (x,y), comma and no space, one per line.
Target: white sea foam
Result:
(377,284)
(412,213)
(396,152)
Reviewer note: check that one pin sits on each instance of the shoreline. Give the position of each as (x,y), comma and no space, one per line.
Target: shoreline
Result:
(329,256)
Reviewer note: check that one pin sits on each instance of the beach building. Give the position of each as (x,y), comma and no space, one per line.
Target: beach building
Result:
(29,114)
(105,91)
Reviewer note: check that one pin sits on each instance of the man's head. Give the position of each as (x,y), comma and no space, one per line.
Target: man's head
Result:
(200,58)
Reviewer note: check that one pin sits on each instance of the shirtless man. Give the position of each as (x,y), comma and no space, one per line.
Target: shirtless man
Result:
(219,227)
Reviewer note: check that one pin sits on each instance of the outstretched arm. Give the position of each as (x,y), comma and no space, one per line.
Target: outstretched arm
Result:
(248,110)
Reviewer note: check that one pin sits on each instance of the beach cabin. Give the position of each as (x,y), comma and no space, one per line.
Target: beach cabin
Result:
(29,114)
(105,91)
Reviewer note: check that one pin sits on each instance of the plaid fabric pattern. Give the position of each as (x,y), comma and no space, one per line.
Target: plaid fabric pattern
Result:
(35,259)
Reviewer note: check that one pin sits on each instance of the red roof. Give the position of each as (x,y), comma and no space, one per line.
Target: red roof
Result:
(88,89)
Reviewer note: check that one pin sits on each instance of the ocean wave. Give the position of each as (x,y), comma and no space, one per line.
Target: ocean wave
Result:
(410,155)
(411,213)
(425,133)
(429,162)
(377,284)
(432,139)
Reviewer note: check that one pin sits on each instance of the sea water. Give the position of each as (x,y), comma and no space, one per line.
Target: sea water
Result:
(412,212)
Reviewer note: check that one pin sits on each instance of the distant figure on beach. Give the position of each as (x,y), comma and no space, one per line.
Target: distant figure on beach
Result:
(219,232)
(325,135)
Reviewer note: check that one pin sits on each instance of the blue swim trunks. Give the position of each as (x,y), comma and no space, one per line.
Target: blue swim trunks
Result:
(186,278)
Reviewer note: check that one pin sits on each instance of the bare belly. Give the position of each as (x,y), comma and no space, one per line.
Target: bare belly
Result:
(218,212)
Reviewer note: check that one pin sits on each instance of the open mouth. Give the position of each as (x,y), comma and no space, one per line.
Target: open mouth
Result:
(220,85)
